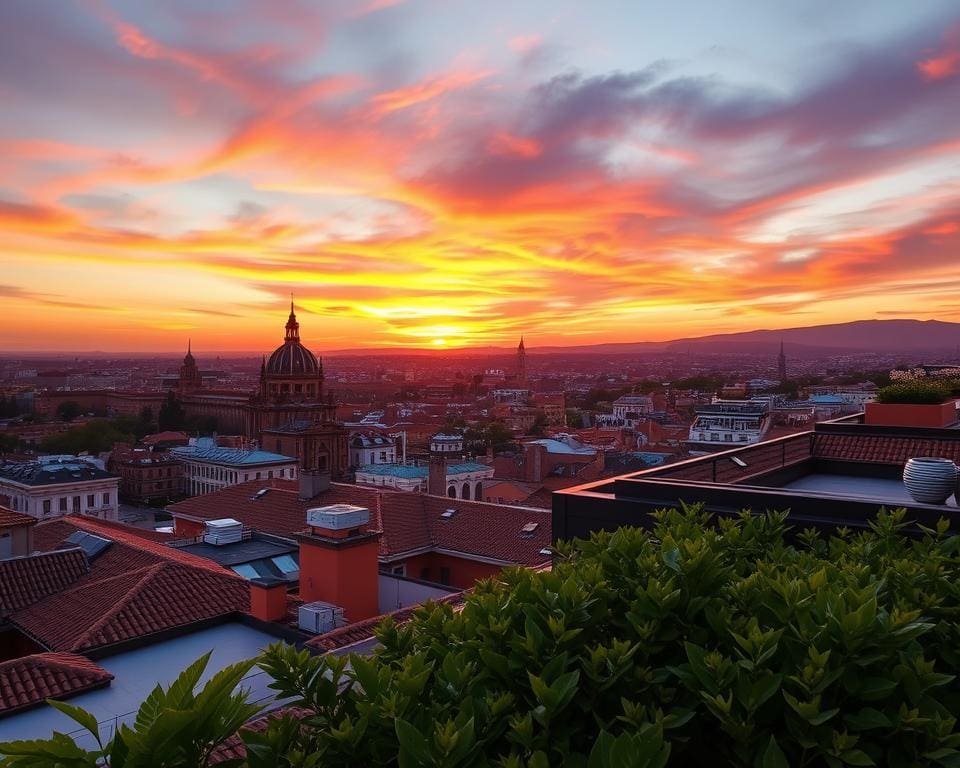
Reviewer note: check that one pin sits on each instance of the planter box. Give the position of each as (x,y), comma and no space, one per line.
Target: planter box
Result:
(909,415)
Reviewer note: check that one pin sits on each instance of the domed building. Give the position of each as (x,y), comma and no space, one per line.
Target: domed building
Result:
(293,373)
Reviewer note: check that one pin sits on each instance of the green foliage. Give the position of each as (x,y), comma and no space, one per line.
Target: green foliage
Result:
(174,728)
(696,643)
(172,415)
(491,434)
(95,436)
(68,410)
(914,392)
(699,642)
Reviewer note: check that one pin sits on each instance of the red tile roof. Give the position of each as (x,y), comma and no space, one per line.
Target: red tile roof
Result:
(363,630)
(408,521)
(134,588)
(884,449)
(102,611)
(11,519)
(30,680)
(26,580)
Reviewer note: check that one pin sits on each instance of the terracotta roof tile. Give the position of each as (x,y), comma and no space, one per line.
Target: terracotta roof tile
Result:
(26,580)
(135,587)
(11,519)
(101,611)
(30,680)
(884,449)
(363,630)
(408,521)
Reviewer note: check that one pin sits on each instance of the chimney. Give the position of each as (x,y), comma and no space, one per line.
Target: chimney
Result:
(268,598)
(313,482)
(338,560)
(437,475)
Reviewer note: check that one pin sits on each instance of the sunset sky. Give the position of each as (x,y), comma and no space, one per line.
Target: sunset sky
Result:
(431,173)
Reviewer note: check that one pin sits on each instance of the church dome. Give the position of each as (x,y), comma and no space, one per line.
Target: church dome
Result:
(292,358)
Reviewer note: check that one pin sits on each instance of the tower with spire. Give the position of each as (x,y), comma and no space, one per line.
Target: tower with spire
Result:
(782,363)
(190,379)
(521,361)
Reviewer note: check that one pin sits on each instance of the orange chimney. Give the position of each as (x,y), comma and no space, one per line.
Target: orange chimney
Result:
(338,560)
(268,599)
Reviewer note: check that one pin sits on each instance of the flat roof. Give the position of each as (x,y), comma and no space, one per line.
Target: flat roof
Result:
(245,551)
(230,456)
(137,672)
(883,489)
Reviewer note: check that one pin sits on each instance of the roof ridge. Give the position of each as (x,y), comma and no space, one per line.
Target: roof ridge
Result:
(150,572)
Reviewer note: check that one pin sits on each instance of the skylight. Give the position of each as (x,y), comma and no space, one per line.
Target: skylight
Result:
(92,546)
(529,527)
(447,514)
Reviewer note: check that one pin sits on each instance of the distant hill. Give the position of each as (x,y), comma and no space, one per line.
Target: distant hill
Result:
(857,336)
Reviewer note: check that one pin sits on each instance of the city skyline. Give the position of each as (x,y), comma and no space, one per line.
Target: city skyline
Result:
(421,174)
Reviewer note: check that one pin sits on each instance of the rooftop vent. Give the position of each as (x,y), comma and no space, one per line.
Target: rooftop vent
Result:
(448,513)
(546,551)
(92,546)
(224,531)
(338,517)
(260,494)
(528,530)
(320,617)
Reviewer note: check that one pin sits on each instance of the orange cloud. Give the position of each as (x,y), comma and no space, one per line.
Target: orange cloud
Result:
(426,90)
(945,63)
(507,144)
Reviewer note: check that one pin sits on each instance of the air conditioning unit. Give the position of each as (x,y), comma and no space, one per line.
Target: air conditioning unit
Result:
(320,617)
(338,517)
(225,531)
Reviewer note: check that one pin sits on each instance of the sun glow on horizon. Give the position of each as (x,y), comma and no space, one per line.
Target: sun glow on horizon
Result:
(458,183)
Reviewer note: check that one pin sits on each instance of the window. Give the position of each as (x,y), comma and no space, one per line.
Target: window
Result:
(383,456)
(728,437)
(76,503)
(46,506)
(106,499)
(258,476)
(286,564)
(399,570)
(91,500)
(63,504)
(444,575)
(15,503)
(270,475)
(246,570)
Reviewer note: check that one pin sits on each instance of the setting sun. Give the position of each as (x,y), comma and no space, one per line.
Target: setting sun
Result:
(439,342)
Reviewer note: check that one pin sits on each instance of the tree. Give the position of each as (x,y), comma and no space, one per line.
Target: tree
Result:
(95,436)
(574,418)
(68,410)
(172,415)
(539,423)
(492,434)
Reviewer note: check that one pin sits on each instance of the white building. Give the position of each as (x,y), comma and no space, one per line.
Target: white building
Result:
(372,448)
(208,468)
(728,423)
(630,409)
(464,480)
(54,486)
(446,444)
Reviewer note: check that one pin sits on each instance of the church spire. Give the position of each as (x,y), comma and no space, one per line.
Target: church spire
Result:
(293,327)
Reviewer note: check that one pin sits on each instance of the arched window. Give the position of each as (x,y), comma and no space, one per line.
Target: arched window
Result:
(466,491)
(452,492)
(478,490)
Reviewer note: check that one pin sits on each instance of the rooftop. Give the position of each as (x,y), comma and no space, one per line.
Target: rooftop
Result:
(11,519)
(408,521)
(569,446)
(230,456)
(61,470)
(409,471)
(31,680)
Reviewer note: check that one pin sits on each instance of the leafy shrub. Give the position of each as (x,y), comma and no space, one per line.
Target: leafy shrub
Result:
(914,392)
(174,728)
(699,642)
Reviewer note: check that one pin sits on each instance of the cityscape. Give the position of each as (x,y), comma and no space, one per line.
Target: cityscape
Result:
(399,383)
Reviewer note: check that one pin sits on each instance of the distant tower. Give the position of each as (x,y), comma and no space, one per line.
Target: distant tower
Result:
(189,373)
(782,363)
(521,362)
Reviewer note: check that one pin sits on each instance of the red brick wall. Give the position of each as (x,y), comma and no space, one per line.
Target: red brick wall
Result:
(346,576)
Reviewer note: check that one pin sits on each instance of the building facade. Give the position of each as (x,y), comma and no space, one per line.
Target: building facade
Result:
(463,480)
(372,448)
(208,468)
(54,486)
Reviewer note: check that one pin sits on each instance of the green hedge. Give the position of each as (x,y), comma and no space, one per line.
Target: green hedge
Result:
(697,643)
(914,392)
